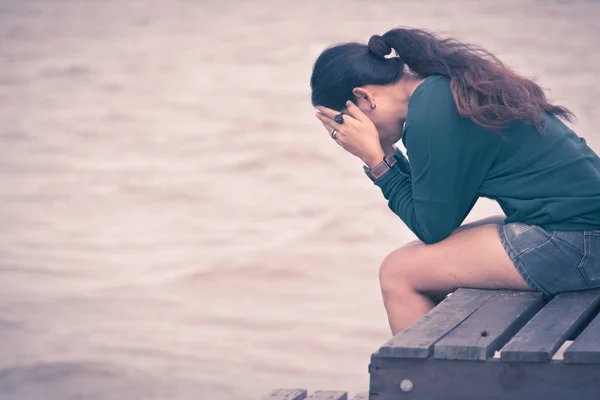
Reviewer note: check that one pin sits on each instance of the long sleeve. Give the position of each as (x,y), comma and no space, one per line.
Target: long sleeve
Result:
(403,163)
(449,159)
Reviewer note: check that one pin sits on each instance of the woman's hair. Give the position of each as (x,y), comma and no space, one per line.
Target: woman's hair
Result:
(484,89)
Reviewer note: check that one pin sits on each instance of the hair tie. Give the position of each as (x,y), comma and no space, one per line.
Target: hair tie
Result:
(380,48)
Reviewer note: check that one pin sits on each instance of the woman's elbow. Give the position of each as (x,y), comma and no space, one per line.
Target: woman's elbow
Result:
(434,236)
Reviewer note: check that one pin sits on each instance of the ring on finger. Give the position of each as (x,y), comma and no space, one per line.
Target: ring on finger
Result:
(334,134)
(339,118)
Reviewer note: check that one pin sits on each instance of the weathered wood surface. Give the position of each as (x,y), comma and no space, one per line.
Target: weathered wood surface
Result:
(286,394)
(328,395)
(300,394)
(417,340)
(490,327)
(586,347)
(476,380)
(543,335)
(465,331)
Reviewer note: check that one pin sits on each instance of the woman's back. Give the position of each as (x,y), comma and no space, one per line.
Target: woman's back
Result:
(551,180)
(556,175)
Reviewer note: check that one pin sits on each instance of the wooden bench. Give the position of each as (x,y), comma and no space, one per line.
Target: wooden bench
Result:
(493,344)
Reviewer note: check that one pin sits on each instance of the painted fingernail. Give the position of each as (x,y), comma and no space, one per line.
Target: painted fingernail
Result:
(348,102)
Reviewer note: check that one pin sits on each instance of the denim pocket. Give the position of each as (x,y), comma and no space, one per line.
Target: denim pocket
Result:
(590,264)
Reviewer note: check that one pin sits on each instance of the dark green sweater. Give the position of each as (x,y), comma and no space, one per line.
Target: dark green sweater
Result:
(551,180)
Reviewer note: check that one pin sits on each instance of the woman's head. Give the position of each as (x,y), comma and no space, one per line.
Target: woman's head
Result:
(372,77)
(366,75)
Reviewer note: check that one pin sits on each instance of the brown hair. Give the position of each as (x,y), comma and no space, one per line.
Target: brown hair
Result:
(484,89)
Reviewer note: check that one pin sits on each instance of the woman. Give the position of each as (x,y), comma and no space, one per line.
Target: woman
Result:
(472,128)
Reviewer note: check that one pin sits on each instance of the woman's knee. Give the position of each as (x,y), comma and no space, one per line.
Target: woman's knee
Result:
(393,270)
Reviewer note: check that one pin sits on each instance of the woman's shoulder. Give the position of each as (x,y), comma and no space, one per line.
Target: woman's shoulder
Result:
(432,101)
(433,89)
(432,113)
(436,81)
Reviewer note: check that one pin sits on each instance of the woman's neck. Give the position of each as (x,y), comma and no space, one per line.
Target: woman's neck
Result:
(403,89)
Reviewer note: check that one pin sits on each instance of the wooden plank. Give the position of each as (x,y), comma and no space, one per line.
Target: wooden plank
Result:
(328,395)
(490,327)
(586,347)
(560,353)
(417,340)
(544,334)
(286,394)
(361,396)
(490,380)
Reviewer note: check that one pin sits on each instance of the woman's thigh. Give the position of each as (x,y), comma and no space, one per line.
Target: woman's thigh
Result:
(496,220)
(470,257)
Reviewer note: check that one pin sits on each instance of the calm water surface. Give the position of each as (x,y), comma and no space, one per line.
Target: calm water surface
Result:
(175,222)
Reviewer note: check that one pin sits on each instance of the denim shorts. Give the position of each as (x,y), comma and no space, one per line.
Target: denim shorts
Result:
(553,261)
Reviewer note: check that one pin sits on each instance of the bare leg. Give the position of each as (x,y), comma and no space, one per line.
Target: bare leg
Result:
(471,257)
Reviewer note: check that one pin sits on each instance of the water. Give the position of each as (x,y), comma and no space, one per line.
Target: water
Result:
(177,224)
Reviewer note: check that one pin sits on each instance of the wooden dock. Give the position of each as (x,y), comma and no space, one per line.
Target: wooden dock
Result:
(301,394)
(489,344)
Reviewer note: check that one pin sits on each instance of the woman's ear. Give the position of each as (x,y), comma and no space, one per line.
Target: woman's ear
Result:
(364,98)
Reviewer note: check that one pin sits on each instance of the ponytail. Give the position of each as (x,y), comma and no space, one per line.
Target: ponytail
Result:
(484,89)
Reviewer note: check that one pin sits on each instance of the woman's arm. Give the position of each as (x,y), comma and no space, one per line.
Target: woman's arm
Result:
(402,162)
(449,160)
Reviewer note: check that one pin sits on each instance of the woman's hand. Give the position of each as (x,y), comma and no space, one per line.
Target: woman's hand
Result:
(357,135)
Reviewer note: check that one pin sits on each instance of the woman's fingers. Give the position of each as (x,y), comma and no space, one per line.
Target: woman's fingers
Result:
(327,111)
(330,129)
(329,123)
(359,138)
(352,113)
(356,113)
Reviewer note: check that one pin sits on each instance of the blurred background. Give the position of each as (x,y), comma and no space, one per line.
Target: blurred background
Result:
(176,224)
